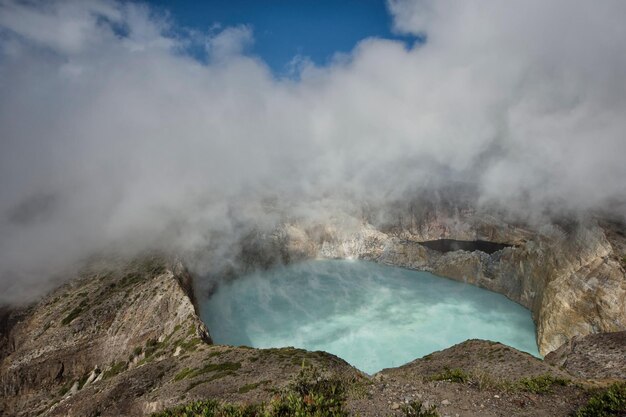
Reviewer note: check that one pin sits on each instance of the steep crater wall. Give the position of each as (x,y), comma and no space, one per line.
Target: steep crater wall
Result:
(571,278)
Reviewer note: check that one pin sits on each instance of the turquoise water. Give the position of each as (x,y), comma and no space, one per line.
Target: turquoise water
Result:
(373,316)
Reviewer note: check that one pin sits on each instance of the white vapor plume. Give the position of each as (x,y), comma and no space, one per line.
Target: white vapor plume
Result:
(113,136)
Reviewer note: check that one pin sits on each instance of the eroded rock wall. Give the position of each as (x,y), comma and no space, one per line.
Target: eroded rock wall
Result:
(571,278)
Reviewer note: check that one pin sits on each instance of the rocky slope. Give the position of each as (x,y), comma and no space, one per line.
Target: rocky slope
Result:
(598,356)
(475,378)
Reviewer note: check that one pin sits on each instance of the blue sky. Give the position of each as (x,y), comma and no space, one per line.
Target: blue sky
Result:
(286,28)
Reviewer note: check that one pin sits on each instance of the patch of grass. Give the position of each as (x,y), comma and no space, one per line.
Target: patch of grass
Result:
(152,345)
(309,395)
(216,353)
(115,369)
(249,387)
(211,408)
(183,374)
(221,369)
(541,384)
(607,403)
(188,345)
(195,384)
(145,361)
(221,375)
(453,375)
(75,312)
(482,380)
(417,409)
(310,386)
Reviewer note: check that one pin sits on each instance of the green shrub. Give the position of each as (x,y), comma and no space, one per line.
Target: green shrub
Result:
(75,312)
(541,384)
(183,374)
(452,375)
(608,403)
(115,369)
(310,395)
(417,409)
(248,387)
(198,408)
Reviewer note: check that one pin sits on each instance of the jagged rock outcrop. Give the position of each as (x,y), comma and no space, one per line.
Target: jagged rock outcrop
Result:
(90,326)
(599,356)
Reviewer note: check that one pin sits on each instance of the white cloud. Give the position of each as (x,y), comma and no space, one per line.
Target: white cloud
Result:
(109,135)
(64,27)
(229,42)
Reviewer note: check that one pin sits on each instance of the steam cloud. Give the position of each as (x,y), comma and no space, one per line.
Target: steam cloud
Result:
(113,136)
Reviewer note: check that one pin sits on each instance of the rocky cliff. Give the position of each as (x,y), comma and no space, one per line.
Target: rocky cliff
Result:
(570,276)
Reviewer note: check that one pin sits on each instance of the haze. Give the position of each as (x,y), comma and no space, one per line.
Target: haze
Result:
(113,136)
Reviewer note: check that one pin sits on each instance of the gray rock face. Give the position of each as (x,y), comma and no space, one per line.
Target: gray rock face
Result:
(93,328)
(597,356)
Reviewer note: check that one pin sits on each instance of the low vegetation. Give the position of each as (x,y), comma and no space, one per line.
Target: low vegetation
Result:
(541,384)
(310,395)
(452,375)
(222,369)
(115,369)
(75,312)
(610,402)
(249,387)
(417,409)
